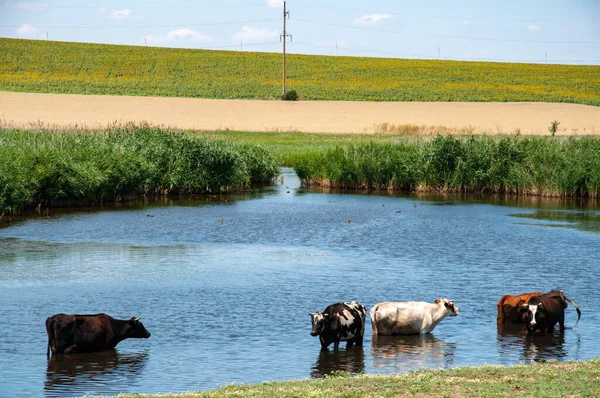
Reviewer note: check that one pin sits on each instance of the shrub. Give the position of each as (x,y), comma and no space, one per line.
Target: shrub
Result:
(291,95)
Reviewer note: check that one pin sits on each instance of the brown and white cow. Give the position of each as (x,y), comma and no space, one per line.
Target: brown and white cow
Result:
(339,322)
(90,333)
(509,307)
(403,318)
(545,311)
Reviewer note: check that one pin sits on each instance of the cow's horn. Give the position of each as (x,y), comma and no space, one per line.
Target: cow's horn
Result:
(138,318)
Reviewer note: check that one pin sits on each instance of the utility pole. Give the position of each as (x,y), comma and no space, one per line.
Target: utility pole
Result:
(284,36)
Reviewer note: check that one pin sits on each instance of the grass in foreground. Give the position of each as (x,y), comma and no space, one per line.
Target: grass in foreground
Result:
(80,68)
(551,379)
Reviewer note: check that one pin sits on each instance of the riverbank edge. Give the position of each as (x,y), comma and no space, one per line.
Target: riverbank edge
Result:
(573,378)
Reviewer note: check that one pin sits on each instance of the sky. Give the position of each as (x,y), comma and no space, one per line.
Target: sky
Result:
(549,31)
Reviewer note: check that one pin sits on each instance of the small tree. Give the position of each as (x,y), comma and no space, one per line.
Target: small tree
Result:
(554,127)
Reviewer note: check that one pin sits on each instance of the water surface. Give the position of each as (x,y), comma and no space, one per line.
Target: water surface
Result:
(225,285)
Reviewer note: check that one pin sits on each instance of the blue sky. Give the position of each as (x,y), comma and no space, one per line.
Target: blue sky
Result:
(553,31)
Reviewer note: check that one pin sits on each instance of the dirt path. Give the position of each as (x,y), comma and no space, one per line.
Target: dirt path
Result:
(95,111)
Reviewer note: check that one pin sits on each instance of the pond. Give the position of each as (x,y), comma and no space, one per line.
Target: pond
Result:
(225,285)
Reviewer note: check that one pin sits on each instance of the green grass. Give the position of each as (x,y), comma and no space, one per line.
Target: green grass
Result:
(551,379)
(78,68)
(45,167)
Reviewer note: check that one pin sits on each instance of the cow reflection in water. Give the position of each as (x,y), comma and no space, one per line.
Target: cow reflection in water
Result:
(404,353)
(351,360)
(533,348)
(78,374)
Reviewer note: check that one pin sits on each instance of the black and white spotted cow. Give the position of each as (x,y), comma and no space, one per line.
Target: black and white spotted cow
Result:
(339,322)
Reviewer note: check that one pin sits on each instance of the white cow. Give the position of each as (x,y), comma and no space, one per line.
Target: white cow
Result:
(388,319)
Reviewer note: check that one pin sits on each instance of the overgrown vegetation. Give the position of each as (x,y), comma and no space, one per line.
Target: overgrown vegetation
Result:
(546,166)
(44,167)
(551,379)
(78,68)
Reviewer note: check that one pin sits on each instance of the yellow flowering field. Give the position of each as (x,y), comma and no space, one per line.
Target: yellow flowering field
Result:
(80,68)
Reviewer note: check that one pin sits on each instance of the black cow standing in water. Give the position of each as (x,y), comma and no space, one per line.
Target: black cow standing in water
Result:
(69,334)
(544,312)
(339,322)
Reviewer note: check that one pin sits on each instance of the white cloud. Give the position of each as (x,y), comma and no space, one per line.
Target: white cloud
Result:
(464,23)
(533,28)
(25,6)
(27,30)
(120,14)
(249,34)
(372,19)
(275,3)
(178,35)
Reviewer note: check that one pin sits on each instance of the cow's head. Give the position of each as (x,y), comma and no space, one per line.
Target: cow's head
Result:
(451,309)
(136,329)
(534,314)
(318,322)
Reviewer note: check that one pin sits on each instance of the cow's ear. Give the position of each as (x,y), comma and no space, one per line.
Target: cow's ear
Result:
(437,301)
(133,320)
(312,314)
(524,308)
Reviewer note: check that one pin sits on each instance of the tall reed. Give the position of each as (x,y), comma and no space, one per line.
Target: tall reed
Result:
(547,166)
(44,167)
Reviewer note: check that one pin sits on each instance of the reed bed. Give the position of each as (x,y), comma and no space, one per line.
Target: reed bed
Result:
(83,68)
(544,166)
(40,168)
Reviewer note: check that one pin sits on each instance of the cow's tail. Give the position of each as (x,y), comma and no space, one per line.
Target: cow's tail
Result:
(373,316)
(577,309)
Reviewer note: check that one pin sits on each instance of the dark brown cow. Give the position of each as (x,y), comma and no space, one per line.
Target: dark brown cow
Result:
(544,312)
(509,307)
(89,333)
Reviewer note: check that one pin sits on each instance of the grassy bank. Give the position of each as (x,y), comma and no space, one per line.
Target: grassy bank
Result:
(546,166)
(77,68)
(552,379)
(43,167)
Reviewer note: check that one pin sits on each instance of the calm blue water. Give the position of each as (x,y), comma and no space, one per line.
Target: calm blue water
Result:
(225,285)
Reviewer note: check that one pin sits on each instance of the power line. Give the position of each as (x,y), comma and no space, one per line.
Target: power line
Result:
(402,15)
(144,26)
(170,7)
(444,36)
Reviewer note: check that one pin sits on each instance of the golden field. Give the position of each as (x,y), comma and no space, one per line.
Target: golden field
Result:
(79,68)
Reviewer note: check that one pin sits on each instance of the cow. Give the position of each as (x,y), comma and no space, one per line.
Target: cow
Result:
(403,318)
(89,333)
(339,322)
(545,311)
(509,307)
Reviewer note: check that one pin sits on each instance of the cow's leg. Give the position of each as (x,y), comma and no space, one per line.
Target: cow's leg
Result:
(336,345)
(349,343)
(561,321)
(359,340)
